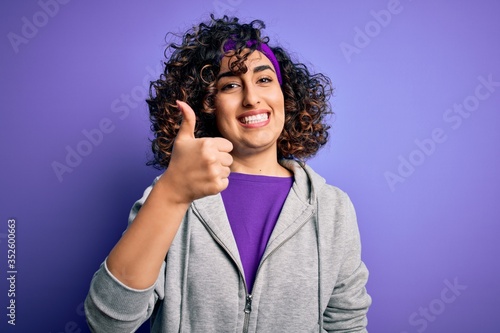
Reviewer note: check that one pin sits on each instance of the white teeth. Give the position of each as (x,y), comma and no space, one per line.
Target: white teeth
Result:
(255,119)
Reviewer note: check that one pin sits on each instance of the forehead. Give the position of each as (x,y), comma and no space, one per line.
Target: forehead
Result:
(256,58)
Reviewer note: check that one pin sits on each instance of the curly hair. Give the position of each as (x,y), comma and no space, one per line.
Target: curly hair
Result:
(190,75)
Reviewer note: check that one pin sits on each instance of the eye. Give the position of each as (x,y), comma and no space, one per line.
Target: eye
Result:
(265,79)
(229,86)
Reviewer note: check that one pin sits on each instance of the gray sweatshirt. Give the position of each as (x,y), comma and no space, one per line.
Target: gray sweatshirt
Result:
(310,279)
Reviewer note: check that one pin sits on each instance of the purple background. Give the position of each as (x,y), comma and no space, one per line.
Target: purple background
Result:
(437,225)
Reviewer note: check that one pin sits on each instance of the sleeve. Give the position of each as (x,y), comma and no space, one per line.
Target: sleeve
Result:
(111,306)
(348,305)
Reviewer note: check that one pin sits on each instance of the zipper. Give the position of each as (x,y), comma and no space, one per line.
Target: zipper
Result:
(248,299)
(248,309)
(248,304)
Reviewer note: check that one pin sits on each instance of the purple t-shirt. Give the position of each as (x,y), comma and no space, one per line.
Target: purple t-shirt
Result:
(253,204)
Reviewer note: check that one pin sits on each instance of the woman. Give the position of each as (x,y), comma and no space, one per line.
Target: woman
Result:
(237,234)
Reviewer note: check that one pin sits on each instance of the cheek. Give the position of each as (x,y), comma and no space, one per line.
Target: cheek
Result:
(222,105)
(279,103)
(279,98)
(221,120)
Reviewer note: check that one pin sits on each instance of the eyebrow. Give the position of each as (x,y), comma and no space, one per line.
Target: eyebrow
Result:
(255,70)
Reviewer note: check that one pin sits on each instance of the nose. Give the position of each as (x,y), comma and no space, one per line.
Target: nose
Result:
(250,96)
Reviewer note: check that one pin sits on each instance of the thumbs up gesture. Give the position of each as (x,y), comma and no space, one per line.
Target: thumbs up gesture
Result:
(198,166)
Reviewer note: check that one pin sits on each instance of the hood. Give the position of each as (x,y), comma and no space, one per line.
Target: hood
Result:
(307,183)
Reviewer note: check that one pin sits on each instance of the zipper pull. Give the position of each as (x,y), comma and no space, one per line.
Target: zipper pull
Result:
(248,304)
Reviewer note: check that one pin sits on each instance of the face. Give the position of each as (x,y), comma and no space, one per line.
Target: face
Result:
(250,107)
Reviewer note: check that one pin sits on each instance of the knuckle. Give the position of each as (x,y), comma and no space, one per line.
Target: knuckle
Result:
(208,157)
(206,144)
(211,159)
(227,172)
(220,184)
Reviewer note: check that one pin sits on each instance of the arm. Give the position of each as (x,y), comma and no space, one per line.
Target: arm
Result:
(120,297)
(348,305)
(137,257)
(112,306)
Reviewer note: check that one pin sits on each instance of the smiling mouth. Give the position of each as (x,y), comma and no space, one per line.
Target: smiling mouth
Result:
(254,119)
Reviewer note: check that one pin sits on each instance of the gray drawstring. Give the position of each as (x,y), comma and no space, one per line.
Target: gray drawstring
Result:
(320,314)
(318,248)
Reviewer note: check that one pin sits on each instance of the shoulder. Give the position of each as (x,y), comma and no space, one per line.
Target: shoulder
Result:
(333,194)
(336,202)
(333,203)
(337,220)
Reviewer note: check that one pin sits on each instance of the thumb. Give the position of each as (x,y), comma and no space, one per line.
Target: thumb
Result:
(188,120)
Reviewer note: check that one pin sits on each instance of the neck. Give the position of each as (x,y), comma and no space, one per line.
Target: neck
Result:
(259,165)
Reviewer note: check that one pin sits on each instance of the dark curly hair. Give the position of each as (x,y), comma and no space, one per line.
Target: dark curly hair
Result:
(190,76)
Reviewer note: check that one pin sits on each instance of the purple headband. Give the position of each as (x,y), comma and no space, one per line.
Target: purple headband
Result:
(263,47)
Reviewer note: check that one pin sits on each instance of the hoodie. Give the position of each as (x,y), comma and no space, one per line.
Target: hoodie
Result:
(310,279)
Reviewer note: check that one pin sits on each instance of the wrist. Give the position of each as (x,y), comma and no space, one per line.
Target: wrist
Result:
(173,191)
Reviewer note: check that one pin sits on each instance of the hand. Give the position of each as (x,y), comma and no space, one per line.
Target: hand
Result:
(198,166)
